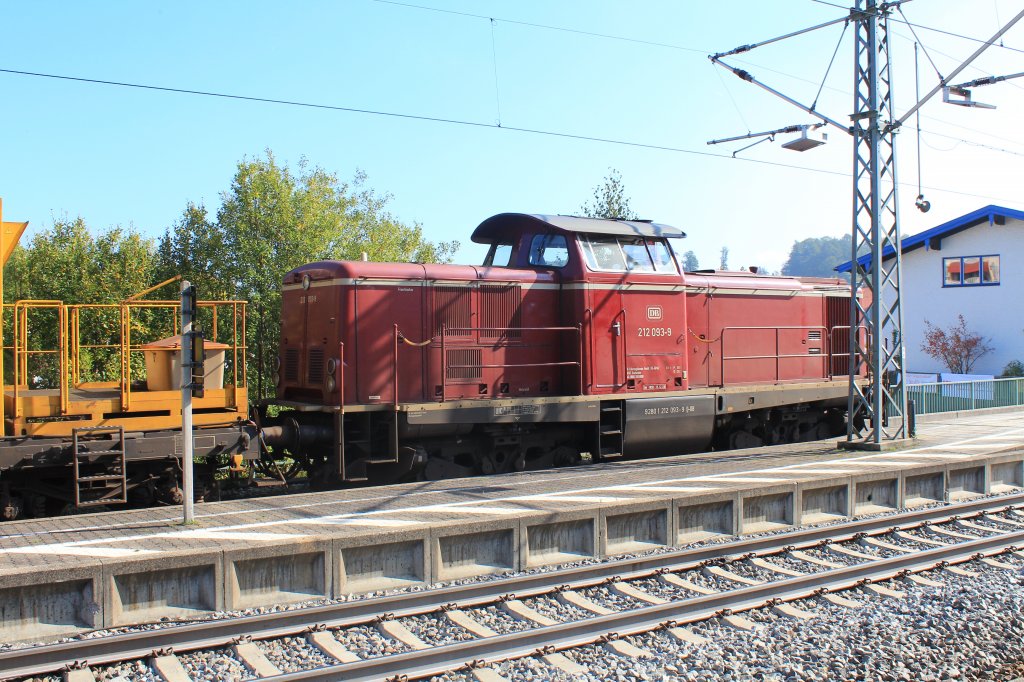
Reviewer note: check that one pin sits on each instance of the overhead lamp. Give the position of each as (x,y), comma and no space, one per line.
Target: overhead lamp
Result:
(810,137)
(961,96)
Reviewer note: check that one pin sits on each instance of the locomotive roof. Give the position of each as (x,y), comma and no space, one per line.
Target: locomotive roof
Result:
(498,226)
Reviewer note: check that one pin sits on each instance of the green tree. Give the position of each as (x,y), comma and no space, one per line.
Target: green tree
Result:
(273,219)
(817,256)
(66,262)
(1014,368)
(609,200)
(690,262)
(193,247)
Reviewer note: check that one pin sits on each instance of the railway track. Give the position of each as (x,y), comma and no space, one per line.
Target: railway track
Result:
(540,614)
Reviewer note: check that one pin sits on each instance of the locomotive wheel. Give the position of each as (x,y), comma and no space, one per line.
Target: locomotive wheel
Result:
(565,456)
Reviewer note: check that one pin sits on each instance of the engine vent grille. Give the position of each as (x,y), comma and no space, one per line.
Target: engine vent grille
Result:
(453,310)
(837,320)
(291,365)
(814,335)
(315,371)
(501,311)
(467,361)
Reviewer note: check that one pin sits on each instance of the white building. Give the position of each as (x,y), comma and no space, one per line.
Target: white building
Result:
(971,266)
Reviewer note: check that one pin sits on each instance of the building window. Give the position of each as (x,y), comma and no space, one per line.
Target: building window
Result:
(969,271)
(990,269)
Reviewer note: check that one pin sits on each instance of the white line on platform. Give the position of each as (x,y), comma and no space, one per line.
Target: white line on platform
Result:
(729,478)
(881,463)
(823,471)
(568,497)
(938,455)
(979,446)
(468,509)
(644,488)
(217,534)
(380,523)
(663,481)
(72,550)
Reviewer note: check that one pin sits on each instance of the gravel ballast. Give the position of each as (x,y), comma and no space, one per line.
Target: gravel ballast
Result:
(970,628)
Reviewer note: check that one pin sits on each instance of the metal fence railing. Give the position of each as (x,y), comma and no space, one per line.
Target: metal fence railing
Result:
(952,396)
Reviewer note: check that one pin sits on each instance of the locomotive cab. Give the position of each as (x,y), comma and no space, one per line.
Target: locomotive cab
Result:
(620,283)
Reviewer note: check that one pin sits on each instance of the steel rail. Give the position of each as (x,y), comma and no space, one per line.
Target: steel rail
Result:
(437,660)
(47,658)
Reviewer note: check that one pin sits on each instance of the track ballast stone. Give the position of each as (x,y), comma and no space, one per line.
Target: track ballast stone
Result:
(970,628)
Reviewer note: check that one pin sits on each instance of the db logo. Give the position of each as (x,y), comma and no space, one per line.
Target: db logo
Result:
(654,312)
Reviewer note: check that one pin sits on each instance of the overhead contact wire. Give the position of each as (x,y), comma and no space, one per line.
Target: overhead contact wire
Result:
(451,121)
(414,117)
(546,27)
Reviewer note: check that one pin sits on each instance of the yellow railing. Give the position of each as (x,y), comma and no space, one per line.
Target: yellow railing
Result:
(20,339)
(69,344)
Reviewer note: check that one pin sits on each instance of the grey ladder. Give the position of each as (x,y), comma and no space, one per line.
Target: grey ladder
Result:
(100,471)
(609,430)
(370,438)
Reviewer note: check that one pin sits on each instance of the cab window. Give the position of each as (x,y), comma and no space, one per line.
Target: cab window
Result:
(603,253)
(499,255)
(662,256)
(637,258)
(549,251)
(627,254)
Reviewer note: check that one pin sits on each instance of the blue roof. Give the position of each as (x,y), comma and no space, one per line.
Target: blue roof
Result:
(988,214)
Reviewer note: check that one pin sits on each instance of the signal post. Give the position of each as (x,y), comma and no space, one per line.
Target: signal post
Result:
(193,356)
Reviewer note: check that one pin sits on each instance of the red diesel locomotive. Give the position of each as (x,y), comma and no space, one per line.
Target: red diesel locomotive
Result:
(577,339)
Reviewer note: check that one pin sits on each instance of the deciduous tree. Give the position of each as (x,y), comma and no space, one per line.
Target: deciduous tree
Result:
(68,263)
(957,347)
(609,200)
(817,256)
(274,219)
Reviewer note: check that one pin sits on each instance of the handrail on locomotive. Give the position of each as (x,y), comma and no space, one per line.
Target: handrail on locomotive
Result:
(827,358)
(445,332)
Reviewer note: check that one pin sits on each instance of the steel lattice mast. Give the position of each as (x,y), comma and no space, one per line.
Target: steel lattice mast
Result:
(876,316)
(876,327)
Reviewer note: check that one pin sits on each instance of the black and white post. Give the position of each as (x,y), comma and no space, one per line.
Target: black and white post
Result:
(187,308)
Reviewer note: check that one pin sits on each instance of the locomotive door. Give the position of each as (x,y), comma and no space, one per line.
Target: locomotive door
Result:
(385,362)
(705,365)
(608,331)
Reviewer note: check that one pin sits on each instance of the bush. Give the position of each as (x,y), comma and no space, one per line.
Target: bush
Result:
(1014,368)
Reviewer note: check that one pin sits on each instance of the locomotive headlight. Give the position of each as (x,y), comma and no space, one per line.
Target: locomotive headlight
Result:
(306,281)
(332,385)
(332,364)
(277,378)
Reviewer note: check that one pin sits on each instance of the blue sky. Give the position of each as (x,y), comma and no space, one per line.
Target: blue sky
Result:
(119,156)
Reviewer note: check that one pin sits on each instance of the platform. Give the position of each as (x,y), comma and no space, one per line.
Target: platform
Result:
(62,575)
